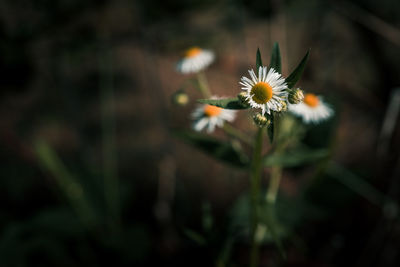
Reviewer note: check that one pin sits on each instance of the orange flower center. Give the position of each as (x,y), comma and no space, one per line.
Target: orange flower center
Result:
(211,111)
(192,52)
(262,93)
(311,100)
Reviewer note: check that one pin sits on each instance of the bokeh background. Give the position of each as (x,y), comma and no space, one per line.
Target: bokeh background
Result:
(92,174)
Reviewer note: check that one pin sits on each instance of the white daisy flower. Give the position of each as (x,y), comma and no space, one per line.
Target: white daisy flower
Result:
(208,116)
(195,59)
(267,91)
(312,109)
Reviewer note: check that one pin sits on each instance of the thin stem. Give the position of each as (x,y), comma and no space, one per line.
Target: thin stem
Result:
(50,162)
(276,171)
(255,180)
(203,85)
(232,131)
(111,183)
(276,175)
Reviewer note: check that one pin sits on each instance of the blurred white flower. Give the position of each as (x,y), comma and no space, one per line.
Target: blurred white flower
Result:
(267,91)
(312,110)
(208,117)
(195,59)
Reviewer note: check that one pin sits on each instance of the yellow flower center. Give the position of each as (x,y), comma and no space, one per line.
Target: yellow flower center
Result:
(211,111)
(311,100)
(262,92)
(192,52)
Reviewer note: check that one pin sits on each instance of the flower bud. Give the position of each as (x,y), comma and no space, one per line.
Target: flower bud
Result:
(283,106)
(180,98)
(296,96)
(242,96)
(261,120)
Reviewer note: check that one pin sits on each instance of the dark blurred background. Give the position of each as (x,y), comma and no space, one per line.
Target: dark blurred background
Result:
(91,174)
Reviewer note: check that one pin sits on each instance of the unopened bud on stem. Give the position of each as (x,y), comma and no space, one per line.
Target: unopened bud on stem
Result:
(261,120)
(283,106)
(296,96)
(180,98)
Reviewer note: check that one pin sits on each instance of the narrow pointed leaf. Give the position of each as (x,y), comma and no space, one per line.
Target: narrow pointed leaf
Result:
(295,158)
(258,60)
(221,150)
(50,162)
(298,71)
(276,58)
(356,183)
(227,103)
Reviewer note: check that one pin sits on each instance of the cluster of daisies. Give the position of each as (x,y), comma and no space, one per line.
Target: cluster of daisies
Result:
(266,91)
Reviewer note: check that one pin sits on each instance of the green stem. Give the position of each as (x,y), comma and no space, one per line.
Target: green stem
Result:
(276,175)
(232,131)
(49,161)
(111,183)
(276,171)
(255,180)
(203,85)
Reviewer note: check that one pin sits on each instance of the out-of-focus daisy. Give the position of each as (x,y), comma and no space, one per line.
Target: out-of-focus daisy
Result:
(194,60)
(267,91)
(207,117)
(312,110)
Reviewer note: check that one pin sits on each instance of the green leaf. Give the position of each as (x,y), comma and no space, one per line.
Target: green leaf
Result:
(226,252)
(274,228)
(258,60)
(196,237)
(221,150)
(239,221)
(226,103)
(276,58)
(356,183)
(295,158)
(298,71)
(271,126)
